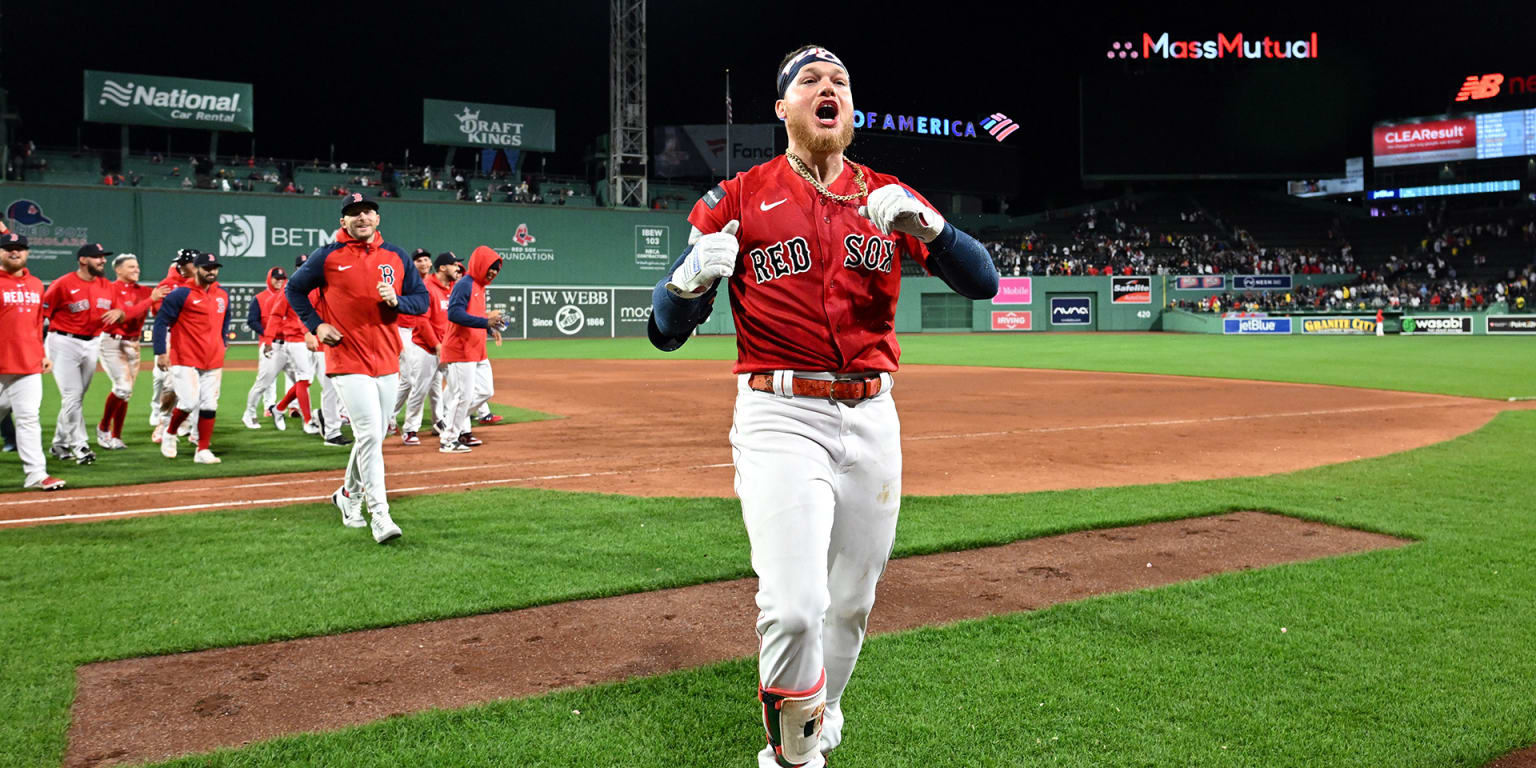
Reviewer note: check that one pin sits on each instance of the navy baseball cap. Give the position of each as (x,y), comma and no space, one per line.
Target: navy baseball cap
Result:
(278,273)
(355,202)
(420,252)
(186,255)
(298,261)
(11,241)
(92,251)
(205,259)
(445,258)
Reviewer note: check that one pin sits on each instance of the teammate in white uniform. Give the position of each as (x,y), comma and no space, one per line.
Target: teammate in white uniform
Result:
(810,245)
(22,359)
(77,306)
(163,395)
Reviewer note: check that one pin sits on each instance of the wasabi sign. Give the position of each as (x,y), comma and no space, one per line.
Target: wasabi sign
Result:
(490,126)
(171,102)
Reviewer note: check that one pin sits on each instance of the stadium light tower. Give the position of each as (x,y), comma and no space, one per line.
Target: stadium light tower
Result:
(626,117)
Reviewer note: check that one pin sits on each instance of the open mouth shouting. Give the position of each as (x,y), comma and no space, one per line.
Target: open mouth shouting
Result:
(826,113)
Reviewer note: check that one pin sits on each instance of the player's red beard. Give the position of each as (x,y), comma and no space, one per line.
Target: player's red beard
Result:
(806,133)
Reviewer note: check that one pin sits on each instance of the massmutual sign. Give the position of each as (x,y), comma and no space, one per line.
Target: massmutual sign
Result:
(488,126)
(171,102)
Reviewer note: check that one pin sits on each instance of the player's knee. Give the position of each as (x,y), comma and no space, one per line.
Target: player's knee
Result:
(793,621)
(122,393)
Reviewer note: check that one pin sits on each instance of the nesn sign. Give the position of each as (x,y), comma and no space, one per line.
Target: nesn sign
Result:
(1071,311)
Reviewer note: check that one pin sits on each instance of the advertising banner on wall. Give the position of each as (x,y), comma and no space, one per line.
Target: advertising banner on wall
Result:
(1524,325)
(702,150)
(1012,321)
(1430,141)
(1246,326)
(1071,310)
(1261,282)
(494,126)
(1438,324)
(1130,290)
(170,102)
(1337,326)
(1200,283)
(1014,290)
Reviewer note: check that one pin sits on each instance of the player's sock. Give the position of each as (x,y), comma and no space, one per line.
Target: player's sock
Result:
(118,417)
(303,390)
(288,397)
(204,429)
(177,417)
(107,412)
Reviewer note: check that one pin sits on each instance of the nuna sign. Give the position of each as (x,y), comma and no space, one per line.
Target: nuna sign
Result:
(1237,46)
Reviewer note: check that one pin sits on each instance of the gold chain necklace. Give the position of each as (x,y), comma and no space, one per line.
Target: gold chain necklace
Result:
(858,178)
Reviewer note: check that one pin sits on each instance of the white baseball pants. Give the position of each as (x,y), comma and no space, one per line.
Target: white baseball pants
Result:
(467,390)
(120,359)
(330,401)
(197,389)
(21,394)
(426,386)
(407,374)
(264,388)
(820,489)
(74,364)
(368,399)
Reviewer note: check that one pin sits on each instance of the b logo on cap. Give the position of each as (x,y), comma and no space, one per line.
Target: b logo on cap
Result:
(357,197)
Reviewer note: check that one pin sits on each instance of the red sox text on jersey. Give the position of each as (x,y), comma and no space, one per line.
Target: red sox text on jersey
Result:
(816,284)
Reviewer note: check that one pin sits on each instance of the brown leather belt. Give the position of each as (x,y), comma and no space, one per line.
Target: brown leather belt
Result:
(838,389)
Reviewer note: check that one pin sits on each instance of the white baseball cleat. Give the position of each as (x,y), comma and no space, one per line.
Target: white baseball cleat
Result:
(168,445)
(351,513)
(384,529)
(250,421)
(205,456)
(444,446)
(159,432)
(277,418)
(104,439)
(118,444)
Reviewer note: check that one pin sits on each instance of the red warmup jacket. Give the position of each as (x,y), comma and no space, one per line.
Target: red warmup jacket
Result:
(347,273)
(75,306)
(196,320)
(133,299)
(262,310)
(429,333)
(283,324)
(465,342)
(21,323)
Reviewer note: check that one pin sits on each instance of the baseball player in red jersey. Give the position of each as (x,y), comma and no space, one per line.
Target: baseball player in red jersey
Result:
(426,346)
(120,346)
(77,306)
(194,319)
(22,359)
(810,244)
(268,366)
(364,285)
(469,380)
(180,273)
(294,350)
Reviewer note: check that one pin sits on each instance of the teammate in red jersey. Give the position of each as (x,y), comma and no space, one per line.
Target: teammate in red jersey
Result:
(268,363)
(426,346)
(22,359)
(120,346)
(295,350)
(163,397)
(464,355)
(191,334)
(77,306)
(364,284)
(811,245)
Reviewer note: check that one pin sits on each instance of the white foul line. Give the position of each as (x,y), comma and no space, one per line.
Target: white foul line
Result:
(298,499)
(1175,422)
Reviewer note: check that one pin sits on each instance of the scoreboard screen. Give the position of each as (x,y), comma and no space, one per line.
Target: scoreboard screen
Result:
(1446,139)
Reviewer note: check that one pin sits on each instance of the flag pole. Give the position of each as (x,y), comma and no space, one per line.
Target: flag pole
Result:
(727,123)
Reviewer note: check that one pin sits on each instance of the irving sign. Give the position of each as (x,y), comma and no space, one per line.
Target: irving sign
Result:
(171,102)
(488,126)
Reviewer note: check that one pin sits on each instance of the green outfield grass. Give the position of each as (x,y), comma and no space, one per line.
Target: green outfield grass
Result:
(1418,656)
(244,451)
(1474,366)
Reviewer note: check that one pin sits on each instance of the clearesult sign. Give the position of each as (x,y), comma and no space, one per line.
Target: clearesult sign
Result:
(489,126)
(171,102)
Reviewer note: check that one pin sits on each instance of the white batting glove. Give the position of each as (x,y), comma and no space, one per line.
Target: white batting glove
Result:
(713,257)
(387,294)
(893,208)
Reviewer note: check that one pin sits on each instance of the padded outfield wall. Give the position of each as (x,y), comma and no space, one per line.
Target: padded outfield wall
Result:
(568,272)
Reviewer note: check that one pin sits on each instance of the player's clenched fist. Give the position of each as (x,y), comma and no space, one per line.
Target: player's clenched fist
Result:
(712,257)
(893,208)
(387,294)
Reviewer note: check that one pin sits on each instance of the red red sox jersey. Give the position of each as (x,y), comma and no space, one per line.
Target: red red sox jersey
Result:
(197,320)
(133,299)
(21,323)
(347,273)
(75,306)
(816,284)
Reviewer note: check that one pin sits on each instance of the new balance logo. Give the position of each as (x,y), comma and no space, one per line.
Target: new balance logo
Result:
(1485,87)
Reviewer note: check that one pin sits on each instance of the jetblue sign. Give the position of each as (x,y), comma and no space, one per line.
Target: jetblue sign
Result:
(1071,311)
(1255,325)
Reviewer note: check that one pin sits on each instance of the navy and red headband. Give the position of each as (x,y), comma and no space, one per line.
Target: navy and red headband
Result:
(787,75)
